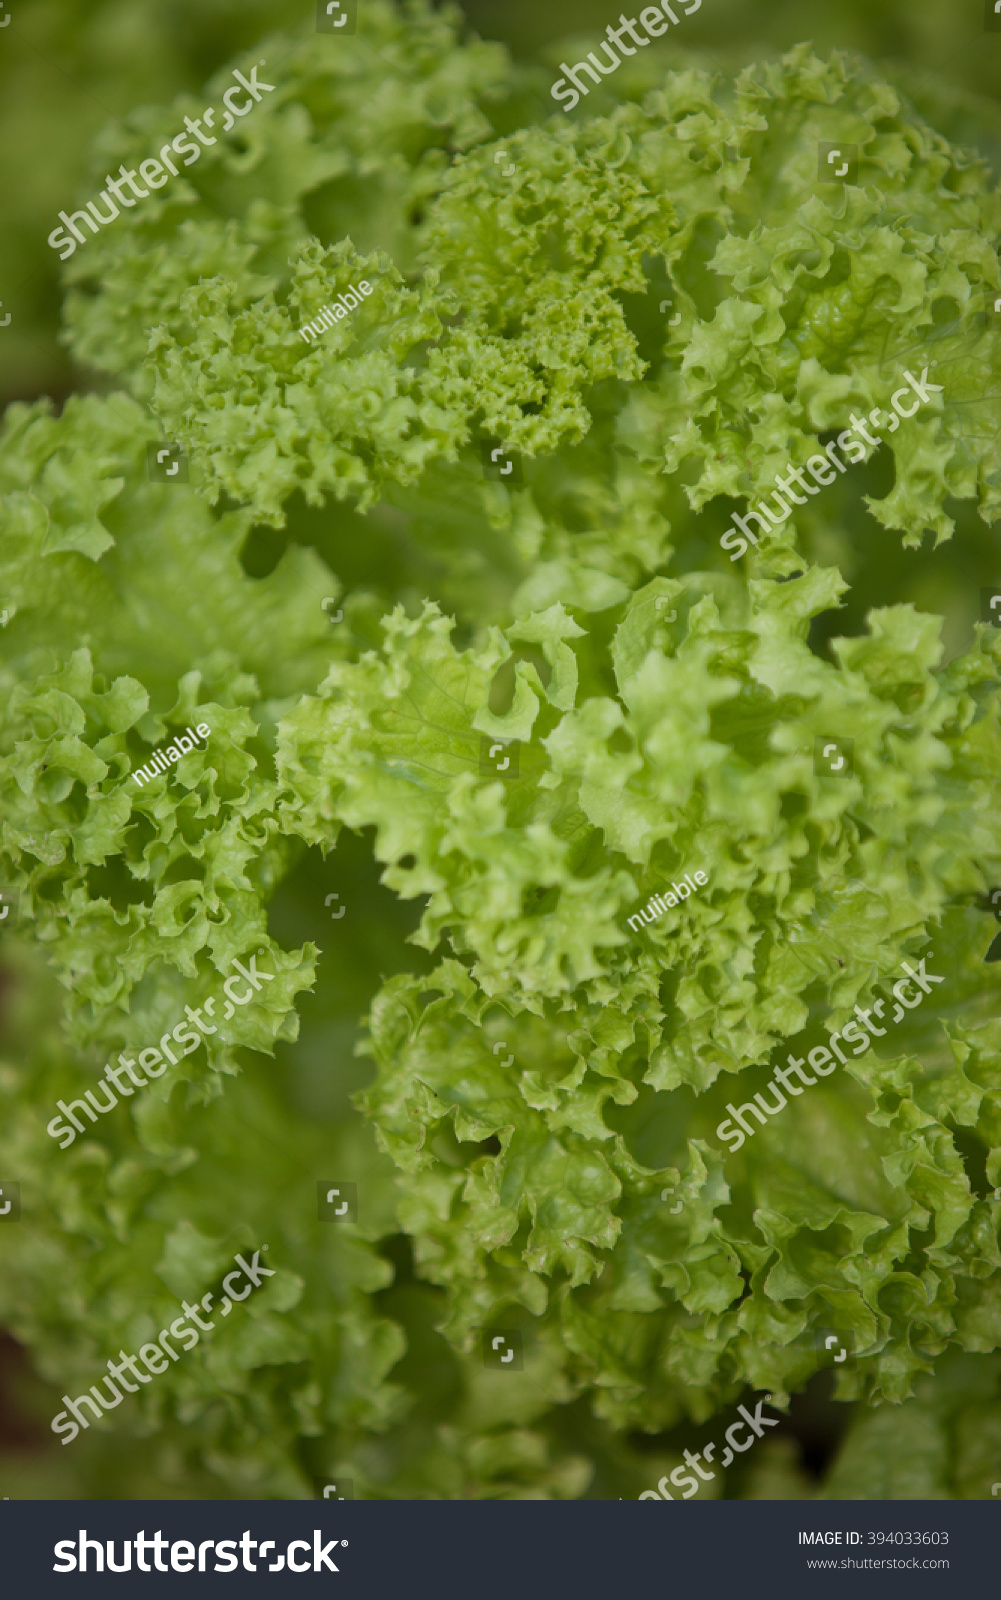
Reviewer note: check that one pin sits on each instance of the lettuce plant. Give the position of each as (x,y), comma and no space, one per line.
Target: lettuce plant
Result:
(538,1150)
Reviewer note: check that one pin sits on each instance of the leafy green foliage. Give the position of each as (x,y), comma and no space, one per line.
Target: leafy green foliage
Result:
(532,880)
(539,1149)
